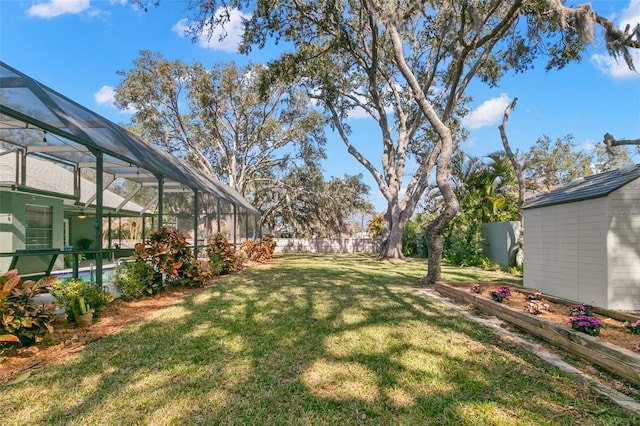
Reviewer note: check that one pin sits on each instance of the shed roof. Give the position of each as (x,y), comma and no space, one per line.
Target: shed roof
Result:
(594,186)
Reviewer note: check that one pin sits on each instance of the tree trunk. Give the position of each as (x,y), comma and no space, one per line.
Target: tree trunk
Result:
(395,222)
(517,167)
(434,261)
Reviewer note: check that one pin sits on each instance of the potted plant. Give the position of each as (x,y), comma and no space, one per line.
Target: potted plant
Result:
(82,312)
(68,259)
(84,243)
(82,300)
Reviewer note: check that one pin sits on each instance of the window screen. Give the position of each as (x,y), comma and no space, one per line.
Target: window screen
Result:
(39,227)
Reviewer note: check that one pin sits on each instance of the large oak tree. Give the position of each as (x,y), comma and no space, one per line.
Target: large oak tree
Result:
(260,143)
(408,65)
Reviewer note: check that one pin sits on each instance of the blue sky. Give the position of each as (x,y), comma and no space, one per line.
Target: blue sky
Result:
(76,47)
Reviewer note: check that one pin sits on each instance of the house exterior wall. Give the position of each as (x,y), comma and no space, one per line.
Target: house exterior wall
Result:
(565,250)
(623,240)
(15,203)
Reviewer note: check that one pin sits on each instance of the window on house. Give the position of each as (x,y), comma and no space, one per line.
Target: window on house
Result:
(39,227)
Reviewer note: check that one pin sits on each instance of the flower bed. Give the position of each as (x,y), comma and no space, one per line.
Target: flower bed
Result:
(553,326)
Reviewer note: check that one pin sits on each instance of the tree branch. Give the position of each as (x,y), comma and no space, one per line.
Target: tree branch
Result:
(610,142)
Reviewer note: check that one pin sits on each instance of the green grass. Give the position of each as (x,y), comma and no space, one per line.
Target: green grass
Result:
(308,340)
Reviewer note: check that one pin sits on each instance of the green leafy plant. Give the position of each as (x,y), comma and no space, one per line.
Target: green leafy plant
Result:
(69,257)
(582,310)
(76,295)
(463,243)
(410,238)
(79,306)
(23,320)
(84,243)
(133,280)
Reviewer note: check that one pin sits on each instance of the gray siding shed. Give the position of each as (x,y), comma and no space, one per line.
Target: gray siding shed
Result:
(582,240)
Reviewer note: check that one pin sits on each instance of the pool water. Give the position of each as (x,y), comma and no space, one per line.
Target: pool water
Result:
(88,275)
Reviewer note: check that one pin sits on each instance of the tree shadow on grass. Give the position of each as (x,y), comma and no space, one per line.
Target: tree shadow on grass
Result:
(345,342)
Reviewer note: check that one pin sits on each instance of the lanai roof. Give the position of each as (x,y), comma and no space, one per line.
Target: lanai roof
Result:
(594,186)
(42,121)
(47,176)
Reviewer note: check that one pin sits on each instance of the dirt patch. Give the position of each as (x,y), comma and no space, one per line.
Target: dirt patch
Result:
(613,331)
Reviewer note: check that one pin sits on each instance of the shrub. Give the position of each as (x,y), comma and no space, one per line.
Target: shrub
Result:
(463,244)
(222,255)
(501,293)
(586,324)
(169,255)
(133,280)
(259,251)
(23,320)
(68,291)
(410,239)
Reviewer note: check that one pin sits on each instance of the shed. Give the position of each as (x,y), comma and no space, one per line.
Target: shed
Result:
(582,240)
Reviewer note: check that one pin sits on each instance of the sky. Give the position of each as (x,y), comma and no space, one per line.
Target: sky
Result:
(76,46)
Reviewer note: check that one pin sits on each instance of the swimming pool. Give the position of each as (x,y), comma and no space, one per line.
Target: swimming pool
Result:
(88,275)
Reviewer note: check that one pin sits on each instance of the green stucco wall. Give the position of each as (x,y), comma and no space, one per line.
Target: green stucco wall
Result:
(13,234)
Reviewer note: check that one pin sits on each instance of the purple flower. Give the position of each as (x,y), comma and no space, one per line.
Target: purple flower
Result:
(586,324)
(500,293)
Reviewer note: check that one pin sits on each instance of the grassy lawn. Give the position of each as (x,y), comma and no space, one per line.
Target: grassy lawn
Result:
(308,340)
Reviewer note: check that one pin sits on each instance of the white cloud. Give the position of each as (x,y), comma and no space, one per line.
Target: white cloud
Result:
(616,69)
(232,32)
(105,96)
(488,113)
(619,69)
(54,8)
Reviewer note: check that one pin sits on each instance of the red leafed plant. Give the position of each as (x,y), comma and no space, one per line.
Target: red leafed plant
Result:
(167,253)
(23,320)
(259,251)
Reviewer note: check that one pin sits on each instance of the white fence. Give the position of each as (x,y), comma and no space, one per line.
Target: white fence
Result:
(327,245)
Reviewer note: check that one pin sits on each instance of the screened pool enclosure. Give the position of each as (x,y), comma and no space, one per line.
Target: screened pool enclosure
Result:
(75,185)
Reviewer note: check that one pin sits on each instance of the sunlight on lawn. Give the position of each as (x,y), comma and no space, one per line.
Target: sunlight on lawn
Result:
(322,340)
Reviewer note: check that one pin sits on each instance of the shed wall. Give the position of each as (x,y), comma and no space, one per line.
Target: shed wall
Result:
(623,239)
(565,250)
